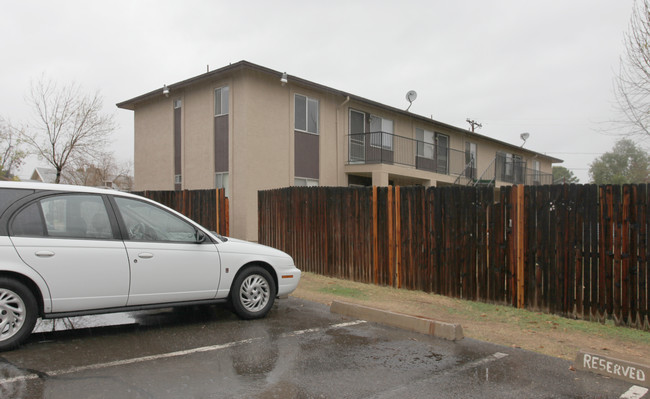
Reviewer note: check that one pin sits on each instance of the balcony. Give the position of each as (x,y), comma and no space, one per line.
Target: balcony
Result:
(387,148)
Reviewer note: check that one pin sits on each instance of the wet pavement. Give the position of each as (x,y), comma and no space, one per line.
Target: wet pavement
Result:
(300,350)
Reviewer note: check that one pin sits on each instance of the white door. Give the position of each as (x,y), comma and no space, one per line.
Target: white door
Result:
(70,241)
(167,262)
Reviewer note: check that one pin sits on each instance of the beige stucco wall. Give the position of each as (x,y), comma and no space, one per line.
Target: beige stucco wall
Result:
(261,155)
(154,145)
(261,142)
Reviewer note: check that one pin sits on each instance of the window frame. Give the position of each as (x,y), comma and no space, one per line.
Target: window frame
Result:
(423,143)
(37,202)
(385,137)
(309,182)
(124,227)
(308,101)
(438,151)
(224,106)
(223,185)
(471,152)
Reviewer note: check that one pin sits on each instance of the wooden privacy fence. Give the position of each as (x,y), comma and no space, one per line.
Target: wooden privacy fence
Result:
(577,251)
(209,208)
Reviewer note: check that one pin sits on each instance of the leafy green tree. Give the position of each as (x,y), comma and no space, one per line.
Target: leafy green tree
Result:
(626,163)
(562,175)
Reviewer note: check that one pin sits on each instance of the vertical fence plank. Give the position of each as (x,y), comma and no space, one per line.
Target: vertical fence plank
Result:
(577,251)
(644,261)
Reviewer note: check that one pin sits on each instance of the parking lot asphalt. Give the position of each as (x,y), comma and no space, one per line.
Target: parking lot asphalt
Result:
(301,350)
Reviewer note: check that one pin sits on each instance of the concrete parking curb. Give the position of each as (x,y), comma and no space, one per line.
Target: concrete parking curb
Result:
(423,325)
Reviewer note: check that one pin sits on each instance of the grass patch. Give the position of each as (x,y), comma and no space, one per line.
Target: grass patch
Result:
(344,291)
(526,319)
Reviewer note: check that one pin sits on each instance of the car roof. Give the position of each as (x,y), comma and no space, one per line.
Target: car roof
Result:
(60,187)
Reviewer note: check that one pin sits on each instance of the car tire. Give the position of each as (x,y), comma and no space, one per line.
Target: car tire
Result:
(18,313)
(253,293)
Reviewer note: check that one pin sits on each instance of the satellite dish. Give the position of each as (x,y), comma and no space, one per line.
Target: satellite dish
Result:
(524,137)
(410,97)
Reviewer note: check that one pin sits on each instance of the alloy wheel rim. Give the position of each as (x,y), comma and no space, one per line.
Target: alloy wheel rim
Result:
(12,314)
(254,293)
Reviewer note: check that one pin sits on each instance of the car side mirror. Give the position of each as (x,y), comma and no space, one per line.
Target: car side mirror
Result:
(200,237)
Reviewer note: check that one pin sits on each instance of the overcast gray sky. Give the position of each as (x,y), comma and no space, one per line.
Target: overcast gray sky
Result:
(543,67)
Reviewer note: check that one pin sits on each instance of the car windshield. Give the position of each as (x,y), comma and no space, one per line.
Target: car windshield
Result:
(150,223)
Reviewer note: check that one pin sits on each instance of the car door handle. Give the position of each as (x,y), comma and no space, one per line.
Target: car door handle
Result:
(145,255)
(44,254)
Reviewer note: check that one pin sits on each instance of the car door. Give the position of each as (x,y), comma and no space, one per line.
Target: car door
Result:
(168,264)
(73,242)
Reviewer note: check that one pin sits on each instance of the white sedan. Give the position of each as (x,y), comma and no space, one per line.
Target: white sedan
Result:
(72,250)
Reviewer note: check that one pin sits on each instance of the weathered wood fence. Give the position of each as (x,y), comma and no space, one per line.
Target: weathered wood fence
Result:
(574,250)
(209,208)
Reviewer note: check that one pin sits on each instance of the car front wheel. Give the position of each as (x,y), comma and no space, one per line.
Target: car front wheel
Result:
(253,293)
(17,313)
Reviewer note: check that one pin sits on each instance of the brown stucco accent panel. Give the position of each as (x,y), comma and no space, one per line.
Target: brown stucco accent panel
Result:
(221,143)
(177,141)
(306,155)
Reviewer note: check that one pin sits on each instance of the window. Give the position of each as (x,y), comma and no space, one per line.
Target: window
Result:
(432,150)
(470,159)
(221,180)
(510,168)
(178,179)
(304,182)
(381,135)
(65,216)
(357,137)
(536,172)
(178,103)
(306,114)
(146,222)
(29,222)
(221,101)
(509,165)
(442,151)
(425,143)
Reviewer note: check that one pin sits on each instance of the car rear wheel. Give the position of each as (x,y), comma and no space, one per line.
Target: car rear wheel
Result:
(17,313)
(253,293)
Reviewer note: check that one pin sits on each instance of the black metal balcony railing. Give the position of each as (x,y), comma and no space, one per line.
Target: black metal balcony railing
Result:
(387,148)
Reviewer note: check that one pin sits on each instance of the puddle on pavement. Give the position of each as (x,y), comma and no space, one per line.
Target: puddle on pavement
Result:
(79,322)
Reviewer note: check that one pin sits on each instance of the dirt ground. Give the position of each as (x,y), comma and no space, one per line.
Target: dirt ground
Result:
(504,325)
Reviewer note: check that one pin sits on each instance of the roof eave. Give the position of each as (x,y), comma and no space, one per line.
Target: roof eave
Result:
(130,104)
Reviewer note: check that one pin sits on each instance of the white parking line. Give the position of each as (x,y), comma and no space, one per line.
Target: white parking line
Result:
(202,349)
(635,393)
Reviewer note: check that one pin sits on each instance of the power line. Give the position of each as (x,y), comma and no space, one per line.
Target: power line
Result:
(574,153)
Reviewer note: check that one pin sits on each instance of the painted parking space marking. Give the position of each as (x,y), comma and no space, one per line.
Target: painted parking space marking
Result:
(635,392)
(203,349)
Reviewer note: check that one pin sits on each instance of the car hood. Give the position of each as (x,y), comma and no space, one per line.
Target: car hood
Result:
(234,245)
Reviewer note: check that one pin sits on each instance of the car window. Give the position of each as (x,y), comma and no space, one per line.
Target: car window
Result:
(8,196)
(146,222)
(28,222)
(65,216)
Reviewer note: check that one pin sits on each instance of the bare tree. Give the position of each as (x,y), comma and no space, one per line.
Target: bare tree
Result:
(68,125)
(632,84)
(101,171)
(12,154)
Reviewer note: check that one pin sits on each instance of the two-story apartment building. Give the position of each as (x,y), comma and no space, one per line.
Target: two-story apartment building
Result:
(246,128)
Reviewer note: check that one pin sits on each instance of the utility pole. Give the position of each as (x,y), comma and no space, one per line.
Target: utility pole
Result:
(474,124)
